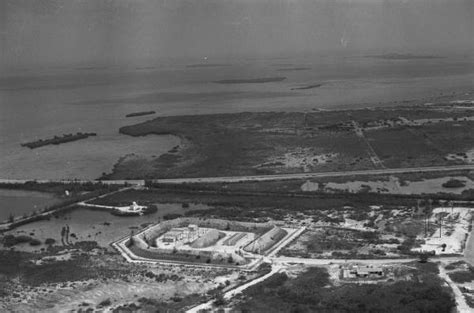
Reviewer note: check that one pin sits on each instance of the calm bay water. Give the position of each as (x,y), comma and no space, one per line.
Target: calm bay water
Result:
(19,202)
(100,226)
(43,103)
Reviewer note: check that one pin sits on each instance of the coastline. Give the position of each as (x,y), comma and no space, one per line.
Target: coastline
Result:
(83,159)
(261,143)
(140,162)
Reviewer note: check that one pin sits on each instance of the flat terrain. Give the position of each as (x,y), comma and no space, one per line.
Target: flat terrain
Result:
(320,289)
(281,143)
(84,276)
(81,270)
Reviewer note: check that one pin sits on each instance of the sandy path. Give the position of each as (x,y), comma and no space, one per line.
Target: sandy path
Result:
(231,293)
(461,304)
(469,249)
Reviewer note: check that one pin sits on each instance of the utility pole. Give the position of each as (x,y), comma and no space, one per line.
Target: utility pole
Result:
(430,203)
(440,224)
(426,224)
(442,203)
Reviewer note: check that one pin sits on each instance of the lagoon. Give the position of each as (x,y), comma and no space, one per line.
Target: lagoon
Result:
(19,202)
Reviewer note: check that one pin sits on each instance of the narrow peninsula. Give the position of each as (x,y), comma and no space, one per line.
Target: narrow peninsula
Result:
(140,113)
(307,87)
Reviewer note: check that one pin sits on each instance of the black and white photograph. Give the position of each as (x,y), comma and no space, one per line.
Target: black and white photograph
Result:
(237,156)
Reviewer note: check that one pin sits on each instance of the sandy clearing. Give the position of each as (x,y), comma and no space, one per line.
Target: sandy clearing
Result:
(454,231)
(461,304)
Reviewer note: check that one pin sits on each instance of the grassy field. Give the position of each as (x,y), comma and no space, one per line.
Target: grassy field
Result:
(399,147)
(279,142)
(249,200)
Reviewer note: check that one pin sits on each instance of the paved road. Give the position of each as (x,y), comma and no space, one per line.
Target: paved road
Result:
(461,304)
(6,226)
(231,179)
(286,241)
(316,262)
(469,249)
(231,293)
(135,182)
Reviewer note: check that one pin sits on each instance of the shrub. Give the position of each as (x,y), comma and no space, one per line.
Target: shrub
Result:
(10,240)
(150,209)
(105,303)
(461,277)
(454,265)
(454,183)
(219,301)
(35,242)
(171,216)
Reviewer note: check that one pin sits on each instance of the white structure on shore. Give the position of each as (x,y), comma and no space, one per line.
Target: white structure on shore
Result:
(133,208)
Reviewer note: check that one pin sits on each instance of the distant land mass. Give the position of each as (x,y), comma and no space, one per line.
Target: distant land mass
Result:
(140,113)
(207,65)
(307,87)
(251,80)
(290,69)
(90,68)
(398,56)
(145,67)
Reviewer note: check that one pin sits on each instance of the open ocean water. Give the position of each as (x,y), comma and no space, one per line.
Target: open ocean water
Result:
(42,103)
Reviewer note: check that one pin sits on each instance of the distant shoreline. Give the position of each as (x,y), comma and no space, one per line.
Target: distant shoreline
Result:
(291,69)
(397,56)
(199,65)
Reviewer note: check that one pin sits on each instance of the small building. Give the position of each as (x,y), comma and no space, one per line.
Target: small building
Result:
(363,272)
(173,235)
(193,228)
(366,271)
(135,207)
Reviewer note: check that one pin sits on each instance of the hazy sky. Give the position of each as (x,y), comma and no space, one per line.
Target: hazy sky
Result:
(94,31)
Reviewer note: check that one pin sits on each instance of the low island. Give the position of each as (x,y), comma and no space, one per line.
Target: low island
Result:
(307,87)
(57,140)
(198,65)
(399,56)
(290,69)
(251,80)
(140,113)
